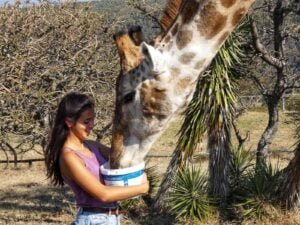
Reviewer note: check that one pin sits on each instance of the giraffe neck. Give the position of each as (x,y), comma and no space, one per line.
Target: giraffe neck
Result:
(193,40)
(198,32)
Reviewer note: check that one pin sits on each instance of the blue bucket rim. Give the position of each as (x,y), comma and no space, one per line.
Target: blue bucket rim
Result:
(104,169)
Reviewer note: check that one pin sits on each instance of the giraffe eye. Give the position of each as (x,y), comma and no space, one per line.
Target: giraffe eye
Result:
(129,97)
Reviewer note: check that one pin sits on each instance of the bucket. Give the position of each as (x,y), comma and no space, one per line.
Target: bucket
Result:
(122,177)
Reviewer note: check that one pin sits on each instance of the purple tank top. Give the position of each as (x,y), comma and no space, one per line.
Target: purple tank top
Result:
(83,199)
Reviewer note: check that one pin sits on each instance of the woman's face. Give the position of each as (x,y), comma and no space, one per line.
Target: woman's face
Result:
(83,126)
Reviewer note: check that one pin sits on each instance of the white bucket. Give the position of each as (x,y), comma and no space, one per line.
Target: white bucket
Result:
(122,177)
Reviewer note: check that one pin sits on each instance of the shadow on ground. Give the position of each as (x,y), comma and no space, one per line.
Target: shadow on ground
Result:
(35,197)
(149,219)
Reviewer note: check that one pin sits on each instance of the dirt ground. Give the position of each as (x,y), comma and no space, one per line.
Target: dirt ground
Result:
(27,198)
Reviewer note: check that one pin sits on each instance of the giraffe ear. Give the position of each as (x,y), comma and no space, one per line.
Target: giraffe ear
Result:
(156,58)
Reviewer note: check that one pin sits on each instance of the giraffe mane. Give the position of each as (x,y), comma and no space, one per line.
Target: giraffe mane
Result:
(170,13)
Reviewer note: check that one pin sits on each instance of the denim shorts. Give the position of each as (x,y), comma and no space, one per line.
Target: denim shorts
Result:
(91,218)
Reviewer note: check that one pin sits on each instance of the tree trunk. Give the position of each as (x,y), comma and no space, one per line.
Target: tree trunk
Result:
(219,146)
(13,152)
(159,202)
(290,188)
(269,133)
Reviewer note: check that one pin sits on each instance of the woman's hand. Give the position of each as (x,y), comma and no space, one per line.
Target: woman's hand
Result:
(145,184)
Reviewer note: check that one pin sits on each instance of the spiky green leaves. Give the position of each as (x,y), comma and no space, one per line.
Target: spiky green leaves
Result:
(188,196)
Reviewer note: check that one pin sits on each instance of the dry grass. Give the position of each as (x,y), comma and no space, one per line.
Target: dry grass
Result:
(253,122)
(27,198)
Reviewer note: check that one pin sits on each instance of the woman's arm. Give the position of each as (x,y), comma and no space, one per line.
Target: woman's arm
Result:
(73,168)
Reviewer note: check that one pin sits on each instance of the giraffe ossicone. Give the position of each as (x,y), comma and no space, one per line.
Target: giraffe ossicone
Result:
(156,81)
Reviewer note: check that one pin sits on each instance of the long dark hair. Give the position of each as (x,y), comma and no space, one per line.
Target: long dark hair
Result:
(71,106)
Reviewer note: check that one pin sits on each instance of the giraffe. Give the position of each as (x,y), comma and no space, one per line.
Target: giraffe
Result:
(157,80)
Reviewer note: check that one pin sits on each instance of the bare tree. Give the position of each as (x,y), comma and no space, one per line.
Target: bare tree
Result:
(289,191)
(47,50)
(275,33)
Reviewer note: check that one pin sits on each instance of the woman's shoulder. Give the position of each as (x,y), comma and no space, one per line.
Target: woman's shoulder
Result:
(69,157)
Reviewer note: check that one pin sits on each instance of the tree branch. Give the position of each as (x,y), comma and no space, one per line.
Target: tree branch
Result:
(238,135)
(260,86)
(294,83)
(144,11)
(259,47)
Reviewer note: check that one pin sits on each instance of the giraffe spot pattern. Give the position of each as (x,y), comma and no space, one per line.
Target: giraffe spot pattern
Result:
(169,46)
(167,39)
(227,3)
(154,100)
(175,71)
(238,16)
(187,57)
(199,64)
(189,11)
(211,22)
(182,84)
(221,40)
(183,38)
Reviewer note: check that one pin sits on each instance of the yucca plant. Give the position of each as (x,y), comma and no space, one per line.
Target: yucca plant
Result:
(259,190)
(241,162)
(154,180)
(188,196)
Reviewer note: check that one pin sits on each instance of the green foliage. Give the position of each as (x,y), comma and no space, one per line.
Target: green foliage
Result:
(256,194)
(188,196)
(254,189)
(154,180)
(240,163)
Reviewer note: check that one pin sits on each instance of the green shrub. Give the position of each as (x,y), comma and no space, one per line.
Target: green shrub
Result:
(188,196)
(257,193)
(240,164)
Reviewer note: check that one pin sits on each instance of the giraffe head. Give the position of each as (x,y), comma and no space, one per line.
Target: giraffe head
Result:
(155,81)
(141,101)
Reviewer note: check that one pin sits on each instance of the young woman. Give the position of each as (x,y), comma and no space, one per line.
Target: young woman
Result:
(74,160)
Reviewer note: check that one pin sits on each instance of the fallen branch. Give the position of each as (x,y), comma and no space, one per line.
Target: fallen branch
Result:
(29,161)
